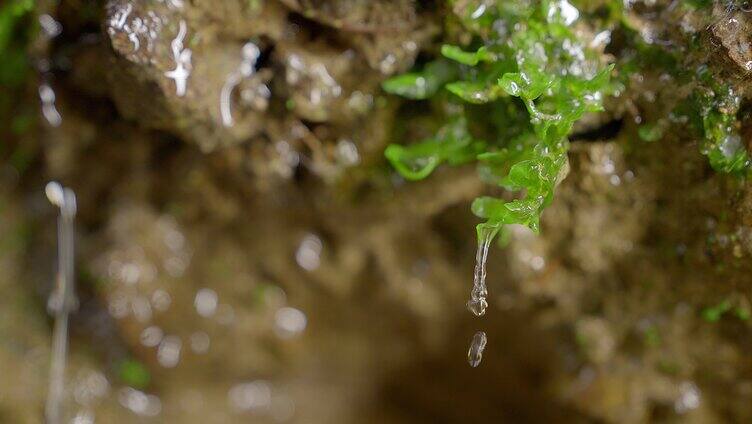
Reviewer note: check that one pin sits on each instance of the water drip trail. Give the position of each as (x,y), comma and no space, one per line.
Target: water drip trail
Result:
(478,303)
(62,300)
(477,345)
(182,58)
(251,54)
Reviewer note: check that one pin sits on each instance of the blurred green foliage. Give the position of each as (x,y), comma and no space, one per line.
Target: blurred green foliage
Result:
(16,29)
(133,373)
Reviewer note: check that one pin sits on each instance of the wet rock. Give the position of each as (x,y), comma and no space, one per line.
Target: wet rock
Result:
(167,76)
(360,16)
(240,19)
(732,29)
(321,83)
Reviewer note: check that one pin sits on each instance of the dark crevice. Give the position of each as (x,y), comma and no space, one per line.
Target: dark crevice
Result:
(313,30)
(607,131)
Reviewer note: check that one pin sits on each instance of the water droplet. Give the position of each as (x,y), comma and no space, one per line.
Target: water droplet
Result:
(206,302)
(89,387)
(175,4)
(83,417)
(139,402)
(478,344)
(54,192)
(388,64)
(161,300)
(731,145)
(289,322)
(309,252)
(347,152)
(563,10)
(49,110)
(477,13)
(246,397)
(603,38)
(168,354)
(151,336)
(689,398)
(141,309)
(50,26)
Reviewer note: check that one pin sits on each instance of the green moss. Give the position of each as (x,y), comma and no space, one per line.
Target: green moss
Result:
(742,313)
(533,78)
(712,108)
(423,84)
(133,373)
(650,132)
(515,90)
(714,313)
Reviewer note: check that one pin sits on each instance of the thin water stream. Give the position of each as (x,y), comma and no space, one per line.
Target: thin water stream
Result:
(478,303)
(63,299)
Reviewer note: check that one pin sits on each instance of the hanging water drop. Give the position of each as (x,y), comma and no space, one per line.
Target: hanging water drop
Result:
(475,354)
(478,303)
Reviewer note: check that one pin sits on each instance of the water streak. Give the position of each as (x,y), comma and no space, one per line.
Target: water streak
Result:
(478,303)
(62,300)
(251,54)
(475,354)
(136,28)
(182,59)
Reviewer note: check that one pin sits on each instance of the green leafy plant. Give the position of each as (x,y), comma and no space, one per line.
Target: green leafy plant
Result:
(713,109)
(526,78)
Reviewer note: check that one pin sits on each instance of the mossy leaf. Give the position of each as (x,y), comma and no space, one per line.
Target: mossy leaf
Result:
(424,84)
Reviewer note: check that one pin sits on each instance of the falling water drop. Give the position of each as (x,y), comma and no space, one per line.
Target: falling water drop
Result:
(475,354)
(49,110)
(50,26)
(478,303)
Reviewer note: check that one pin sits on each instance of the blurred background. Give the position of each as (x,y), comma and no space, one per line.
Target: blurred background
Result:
(244,252)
